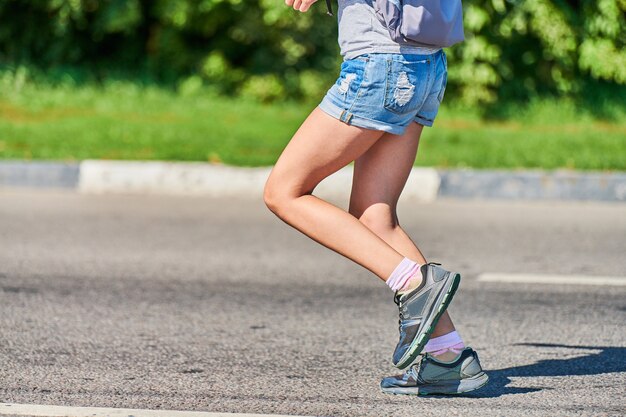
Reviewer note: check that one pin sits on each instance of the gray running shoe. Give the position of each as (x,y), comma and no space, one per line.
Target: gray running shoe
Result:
(433,377)
(420,310)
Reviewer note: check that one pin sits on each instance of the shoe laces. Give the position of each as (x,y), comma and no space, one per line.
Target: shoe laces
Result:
(414,370)
(396,299)
(401,308)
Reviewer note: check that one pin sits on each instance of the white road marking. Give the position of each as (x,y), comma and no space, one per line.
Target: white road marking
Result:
(61,411)
(552,279)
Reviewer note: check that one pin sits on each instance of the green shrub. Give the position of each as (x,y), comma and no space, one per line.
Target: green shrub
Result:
(515,49)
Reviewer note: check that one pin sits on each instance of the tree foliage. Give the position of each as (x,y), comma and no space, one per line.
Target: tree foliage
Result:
(514,49)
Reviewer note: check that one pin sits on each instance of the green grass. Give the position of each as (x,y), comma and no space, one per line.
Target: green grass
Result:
(127,121)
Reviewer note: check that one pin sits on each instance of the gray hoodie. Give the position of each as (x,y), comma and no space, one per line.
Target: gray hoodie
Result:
(361,32)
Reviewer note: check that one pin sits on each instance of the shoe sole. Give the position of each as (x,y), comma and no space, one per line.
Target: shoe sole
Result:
(419,342)
(463,386)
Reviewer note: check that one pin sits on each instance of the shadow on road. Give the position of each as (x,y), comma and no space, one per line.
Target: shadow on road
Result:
(608,359)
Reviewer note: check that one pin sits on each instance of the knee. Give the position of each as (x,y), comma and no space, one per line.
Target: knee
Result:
(379,218)
(275,197)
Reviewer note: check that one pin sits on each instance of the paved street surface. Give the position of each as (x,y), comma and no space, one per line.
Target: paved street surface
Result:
(151,302)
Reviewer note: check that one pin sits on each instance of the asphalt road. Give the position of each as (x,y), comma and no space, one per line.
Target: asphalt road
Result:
(204,304)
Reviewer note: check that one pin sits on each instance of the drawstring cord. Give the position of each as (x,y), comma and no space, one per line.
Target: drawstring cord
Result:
(329,7)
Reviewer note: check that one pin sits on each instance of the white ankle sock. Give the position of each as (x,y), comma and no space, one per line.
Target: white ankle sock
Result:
(450,342)
(403,273)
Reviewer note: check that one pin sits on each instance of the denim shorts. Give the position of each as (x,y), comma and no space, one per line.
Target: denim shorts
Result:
(387,91)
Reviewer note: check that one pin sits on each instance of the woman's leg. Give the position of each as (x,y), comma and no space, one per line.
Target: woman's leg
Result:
(379,177)
(321,146)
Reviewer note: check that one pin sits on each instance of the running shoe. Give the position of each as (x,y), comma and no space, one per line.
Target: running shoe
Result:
(429,376)
(420,310)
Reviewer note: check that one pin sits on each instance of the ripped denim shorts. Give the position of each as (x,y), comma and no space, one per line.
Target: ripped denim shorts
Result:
(387,91)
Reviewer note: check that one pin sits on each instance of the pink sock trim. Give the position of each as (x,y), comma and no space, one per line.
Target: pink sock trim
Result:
(400,276)
(448,342)
(458,348)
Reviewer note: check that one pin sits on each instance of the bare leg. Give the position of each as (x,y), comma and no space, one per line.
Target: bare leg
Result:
(379,177)
(321,146)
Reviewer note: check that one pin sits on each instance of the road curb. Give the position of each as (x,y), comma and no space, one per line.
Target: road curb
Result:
(39,174)
(534,185)
(198,178)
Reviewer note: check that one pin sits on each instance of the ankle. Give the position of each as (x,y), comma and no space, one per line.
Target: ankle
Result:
(406,275)
(446,348)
